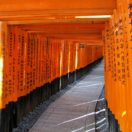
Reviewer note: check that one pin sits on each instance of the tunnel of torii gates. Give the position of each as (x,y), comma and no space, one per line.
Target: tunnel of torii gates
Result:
(94,23)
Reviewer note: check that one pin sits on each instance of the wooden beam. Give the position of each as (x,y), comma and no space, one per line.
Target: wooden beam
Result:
(39,9)
(29,5)
(61,28)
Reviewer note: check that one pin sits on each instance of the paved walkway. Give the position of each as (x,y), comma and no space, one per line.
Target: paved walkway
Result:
(74,111)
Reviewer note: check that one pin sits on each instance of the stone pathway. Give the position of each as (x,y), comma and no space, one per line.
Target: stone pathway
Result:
(74,111)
